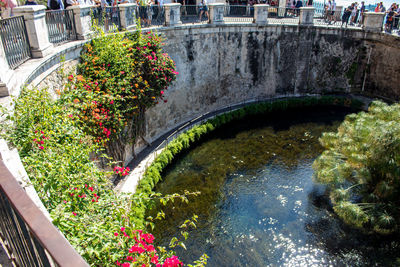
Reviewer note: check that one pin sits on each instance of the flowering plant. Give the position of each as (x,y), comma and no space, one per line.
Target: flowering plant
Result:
(119,78)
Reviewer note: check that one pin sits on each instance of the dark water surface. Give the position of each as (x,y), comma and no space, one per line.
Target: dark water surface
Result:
(259,205)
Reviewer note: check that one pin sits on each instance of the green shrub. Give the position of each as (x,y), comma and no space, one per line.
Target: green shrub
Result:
(361,164)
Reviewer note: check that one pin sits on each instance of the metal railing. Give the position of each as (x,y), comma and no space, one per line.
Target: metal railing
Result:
(191,14)
(153,15)
(282,15)
(61,26)
(107,18)
(28,237)
(239,13)
(15,41)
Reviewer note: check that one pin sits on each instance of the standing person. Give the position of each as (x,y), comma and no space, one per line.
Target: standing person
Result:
(55,4)
(160,16)
(377,8)
(362,11)
(30,3)
(7,9)
(204,9)
(382,8)
(327,10)
(346,15)
(389,19)
(353,13)
(333,18)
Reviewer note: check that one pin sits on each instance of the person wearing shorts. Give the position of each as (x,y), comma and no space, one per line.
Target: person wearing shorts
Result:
(204,9)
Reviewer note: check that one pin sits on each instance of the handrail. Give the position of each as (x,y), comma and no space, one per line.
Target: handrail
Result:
(34,231)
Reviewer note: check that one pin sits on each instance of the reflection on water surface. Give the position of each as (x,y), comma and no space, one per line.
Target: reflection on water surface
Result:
(259,205)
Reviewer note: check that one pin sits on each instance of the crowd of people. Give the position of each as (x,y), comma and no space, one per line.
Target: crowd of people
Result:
(148,9)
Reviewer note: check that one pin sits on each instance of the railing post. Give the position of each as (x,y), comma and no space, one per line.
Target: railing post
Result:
(216,13)
(83,21)
(127,14)
(306,15)
(261,14)
(172,14)
(281,8)
(6,72)
(35,22)
(373,21)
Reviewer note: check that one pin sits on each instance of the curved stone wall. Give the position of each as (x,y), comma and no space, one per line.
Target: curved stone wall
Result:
(230,64)
(225,65)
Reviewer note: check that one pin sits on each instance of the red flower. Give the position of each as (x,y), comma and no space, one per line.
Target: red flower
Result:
(122,229)
(149,238)
(126,264)
(154,259)
(41,148)
(74,213)
(172,262)
(116,234)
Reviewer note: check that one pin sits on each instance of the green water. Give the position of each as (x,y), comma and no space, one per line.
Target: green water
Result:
(259,205)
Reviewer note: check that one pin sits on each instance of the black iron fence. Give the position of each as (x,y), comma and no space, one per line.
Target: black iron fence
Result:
(191,14)
(61,26)
(239,13)
(24,247)
(282,15)
(15,41)
(153,15)
(29,238)
(107,18)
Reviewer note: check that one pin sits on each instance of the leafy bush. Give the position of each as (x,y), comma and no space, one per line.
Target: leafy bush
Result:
(119,78)
(361,164)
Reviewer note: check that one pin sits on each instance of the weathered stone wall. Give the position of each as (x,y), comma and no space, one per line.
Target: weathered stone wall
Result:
(232,64)
(225,65)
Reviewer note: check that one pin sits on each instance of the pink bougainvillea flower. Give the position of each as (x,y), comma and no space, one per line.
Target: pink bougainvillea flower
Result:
(122,229)
(41,148)
(154,259)
(126,264)
(116,234)
(74,213)
(172,262)
(129,258)
(149,238)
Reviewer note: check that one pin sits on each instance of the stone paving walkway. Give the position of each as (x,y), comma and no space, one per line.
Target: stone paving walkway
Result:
(4,261)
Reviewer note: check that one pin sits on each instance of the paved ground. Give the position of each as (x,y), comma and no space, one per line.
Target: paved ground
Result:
(4,261)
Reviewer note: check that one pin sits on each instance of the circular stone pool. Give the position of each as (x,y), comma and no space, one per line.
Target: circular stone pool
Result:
(259,205)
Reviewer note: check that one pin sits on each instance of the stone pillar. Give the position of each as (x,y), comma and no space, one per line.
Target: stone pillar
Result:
(216,13)
(83,21)
(127,13)
(35,22)
(373,22)
(281,8)
(172,14)
(261,14)
(306,15)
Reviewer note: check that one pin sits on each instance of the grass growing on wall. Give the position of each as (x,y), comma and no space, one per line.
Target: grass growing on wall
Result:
(153,173)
